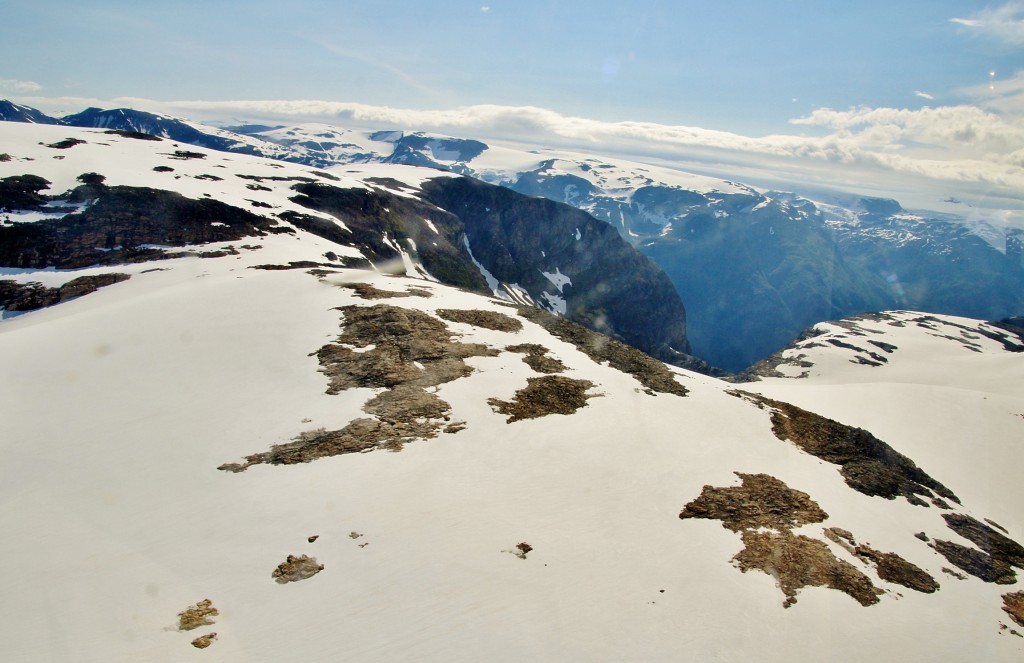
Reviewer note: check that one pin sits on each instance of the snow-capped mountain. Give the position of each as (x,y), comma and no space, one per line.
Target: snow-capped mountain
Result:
(228,428)
(753,267)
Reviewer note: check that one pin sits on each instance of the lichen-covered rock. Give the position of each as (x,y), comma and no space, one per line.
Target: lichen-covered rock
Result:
(295,568)
(761,501)
(197,615)
(551,394)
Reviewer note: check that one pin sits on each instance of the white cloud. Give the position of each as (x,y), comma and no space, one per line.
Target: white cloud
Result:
(917,156)
(1004,23)
(11,85)
(924,95)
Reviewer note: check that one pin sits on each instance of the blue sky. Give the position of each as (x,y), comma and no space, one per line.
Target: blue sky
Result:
(922,88)
(737,66)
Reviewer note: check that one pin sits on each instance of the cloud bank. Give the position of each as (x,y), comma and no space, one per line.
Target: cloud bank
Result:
(915,155)
(18,87)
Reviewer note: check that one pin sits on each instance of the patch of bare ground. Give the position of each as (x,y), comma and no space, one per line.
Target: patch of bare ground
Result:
(650,372)
(550,394)
(395,341)
(996,558)
(764,510)
(536,357)
(798,561)
(197,615)
(368,291)
(761,501)
(403,351)
(869,465)
(889,566)
(204,641)
(478,318)
(1013,605)
(295,568)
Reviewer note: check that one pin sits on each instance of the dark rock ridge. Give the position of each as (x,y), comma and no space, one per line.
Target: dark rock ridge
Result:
(122,226)
(869,465)
(996,558)
(31,296)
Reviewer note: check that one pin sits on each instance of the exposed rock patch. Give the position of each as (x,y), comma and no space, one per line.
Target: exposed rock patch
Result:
(764,510)
(975,562)
(995,544)
(204,641)
(551,394)
(368,291)
(66,143)
(395,341)
(797,561)
(536,357)
(997,557)
(403,351)
(137,135)
(118,227)
(889,566)
(295,568)
(197,615)
(650,372)
(869,465)
(31,296)
(1013,605)
(761,501)
(478,318)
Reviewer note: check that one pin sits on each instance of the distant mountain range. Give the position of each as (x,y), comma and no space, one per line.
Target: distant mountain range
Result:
(753,267)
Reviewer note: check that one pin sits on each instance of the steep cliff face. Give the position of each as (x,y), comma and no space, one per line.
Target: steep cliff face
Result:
(568,262)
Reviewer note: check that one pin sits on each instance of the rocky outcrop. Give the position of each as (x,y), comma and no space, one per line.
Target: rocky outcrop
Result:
(122,226)
(31,296)
(869,465)
(550,394)
(764,510)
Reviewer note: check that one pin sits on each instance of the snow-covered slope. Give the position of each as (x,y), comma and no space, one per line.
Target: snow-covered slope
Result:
(178,435)
(950,390)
